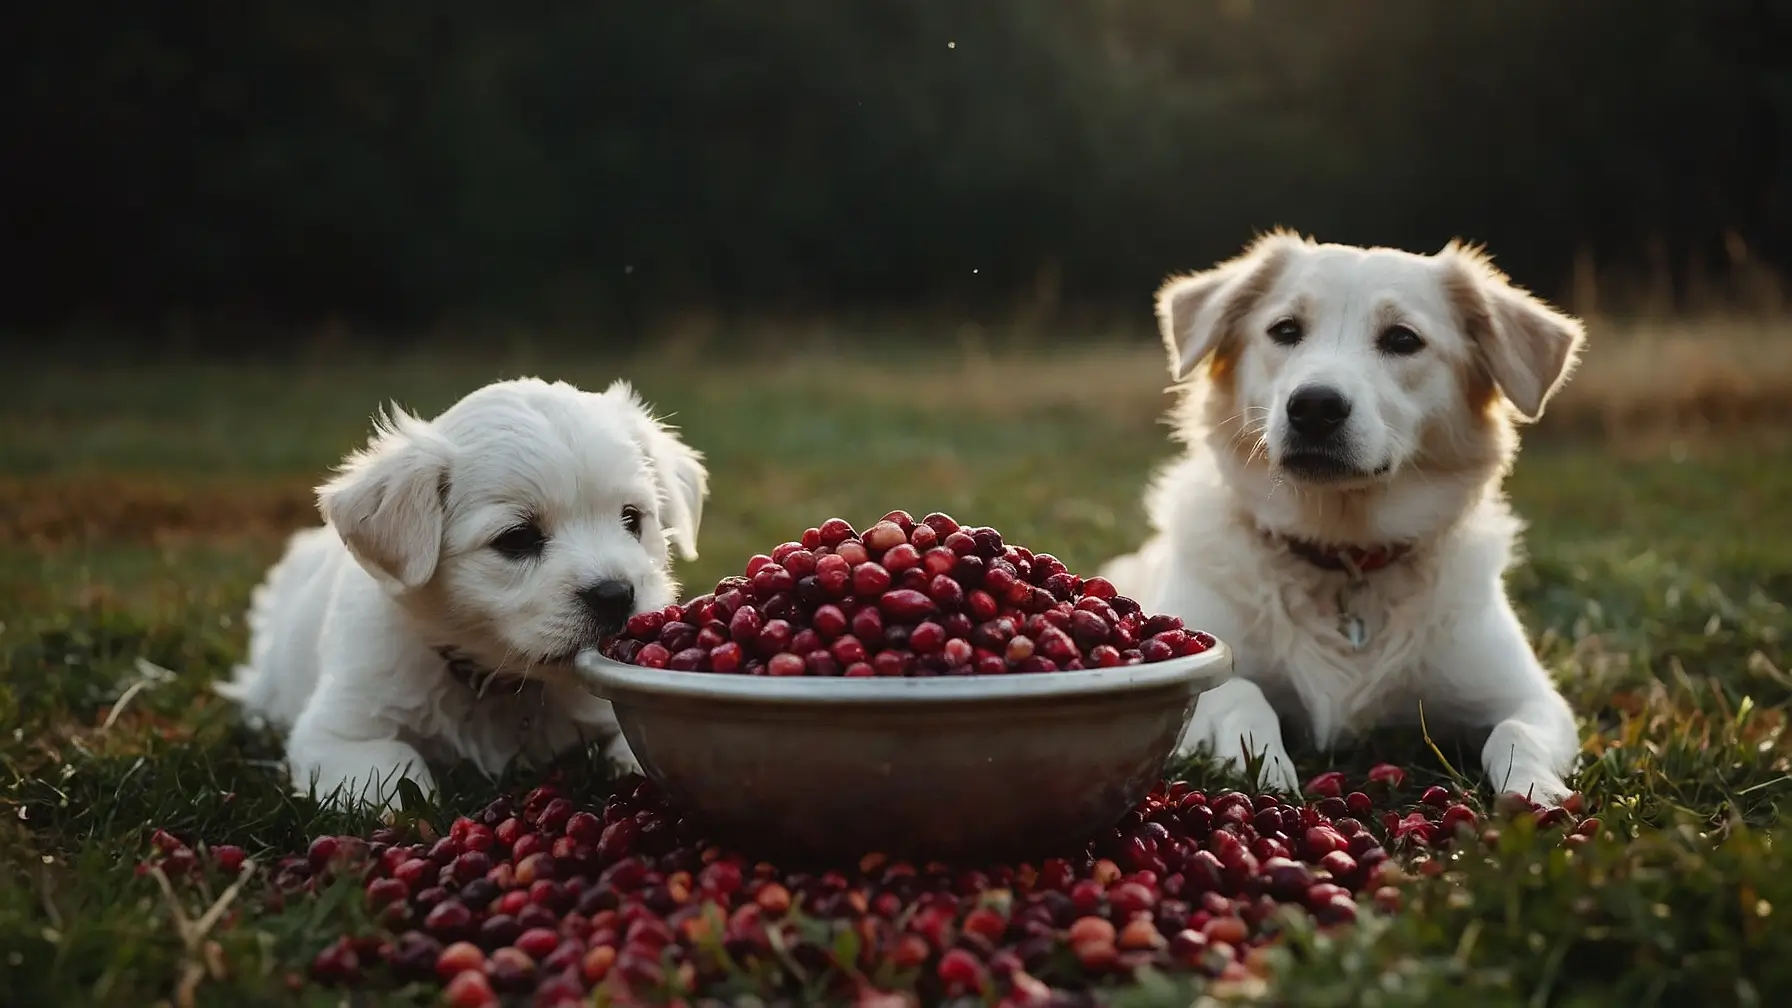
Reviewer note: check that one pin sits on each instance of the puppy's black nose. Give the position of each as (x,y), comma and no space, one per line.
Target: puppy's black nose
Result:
(610,603)
(1317,411)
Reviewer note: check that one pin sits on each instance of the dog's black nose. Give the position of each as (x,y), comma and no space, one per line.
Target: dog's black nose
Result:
(610,603)
(1317,411)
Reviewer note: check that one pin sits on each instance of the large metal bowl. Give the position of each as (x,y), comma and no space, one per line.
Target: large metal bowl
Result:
(951,768)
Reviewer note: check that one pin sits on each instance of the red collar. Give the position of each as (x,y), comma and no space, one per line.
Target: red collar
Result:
(1356,560)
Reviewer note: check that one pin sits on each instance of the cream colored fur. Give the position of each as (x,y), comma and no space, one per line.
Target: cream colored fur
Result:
(1420,461)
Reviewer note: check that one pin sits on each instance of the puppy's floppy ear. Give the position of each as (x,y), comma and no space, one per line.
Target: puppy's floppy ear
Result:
(1529,348)
(386,500)
(1197,312)
(677,468)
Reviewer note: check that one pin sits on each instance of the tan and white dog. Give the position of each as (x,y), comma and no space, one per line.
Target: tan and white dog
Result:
(1337,517)
(464,562)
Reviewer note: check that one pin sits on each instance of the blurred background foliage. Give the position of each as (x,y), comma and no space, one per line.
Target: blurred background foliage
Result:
(215,169)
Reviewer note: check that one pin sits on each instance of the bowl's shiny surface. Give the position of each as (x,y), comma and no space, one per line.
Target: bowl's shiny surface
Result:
(960,767)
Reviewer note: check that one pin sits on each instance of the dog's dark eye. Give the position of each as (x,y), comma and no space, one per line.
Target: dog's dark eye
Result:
(1400,341)
(1286,332)
(631,520)
(520,542)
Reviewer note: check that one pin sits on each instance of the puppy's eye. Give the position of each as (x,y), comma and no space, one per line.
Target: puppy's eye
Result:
(1286,332)
(631,520)
(521,542)
(1400,341)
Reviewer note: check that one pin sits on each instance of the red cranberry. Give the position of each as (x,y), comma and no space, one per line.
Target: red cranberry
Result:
(829,621)
(960,971)
(890,663)
(848,650)
(785,664)
(471,865)
(805,641)
(1458,815)
(772,580)
(511,969)
(1386,773)
(1055,644)
(413,872)
(229,858)
(538,943)
(927,638)
(447,919)
(800,563)
(645,626)
(868,625)
(1340,864)
(1019,649)
(653,656)
(870,579)
(903,520)
(907,605)
(834,574)
(938,561)
(884,536)
(1155,650)
(726,658)
(774,637)
(1326,785)
(322,851)
(835,531)
(380,892)
(957,650)
(903,557)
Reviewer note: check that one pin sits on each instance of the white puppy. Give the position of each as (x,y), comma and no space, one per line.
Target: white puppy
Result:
(1337,518)
(464,562)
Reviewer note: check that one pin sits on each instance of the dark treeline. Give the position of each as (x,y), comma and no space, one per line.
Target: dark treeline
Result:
(402,165)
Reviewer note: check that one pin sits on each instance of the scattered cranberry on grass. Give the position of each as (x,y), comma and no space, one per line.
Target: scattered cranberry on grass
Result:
(630,898)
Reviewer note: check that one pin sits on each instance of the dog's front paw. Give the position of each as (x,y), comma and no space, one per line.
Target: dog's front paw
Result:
(618,752)
(357,775)
(1517,761)
(1543,787)
(1235,723)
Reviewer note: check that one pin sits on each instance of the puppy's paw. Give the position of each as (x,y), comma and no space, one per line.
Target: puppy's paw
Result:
(358,775)
(1544,788)
(618,752)
(1235,722)
(1277,772)
(1517,760)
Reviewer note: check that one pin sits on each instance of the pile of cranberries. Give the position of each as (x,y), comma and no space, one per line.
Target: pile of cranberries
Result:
(542,901)
(905,598)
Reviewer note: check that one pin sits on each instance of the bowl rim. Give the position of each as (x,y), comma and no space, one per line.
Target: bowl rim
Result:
(610,679)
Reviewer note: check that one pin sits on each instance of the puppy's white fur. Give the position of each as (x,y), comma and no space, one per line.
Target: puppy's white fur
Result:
(347,628)
(1416,466)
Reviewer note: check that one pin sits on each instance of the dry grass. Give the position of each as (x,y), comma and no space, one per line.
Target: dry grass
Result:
(1677,377)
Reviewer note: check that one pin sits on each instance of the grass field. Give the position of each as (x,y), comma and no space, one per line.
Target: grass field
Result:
(138,507)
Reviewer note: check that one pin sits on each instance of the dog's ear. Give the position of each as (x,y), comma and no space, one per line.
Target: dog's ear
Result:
(1198,312)
(677,468)
(1529,348)
(386,501)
